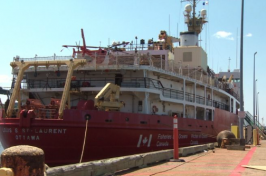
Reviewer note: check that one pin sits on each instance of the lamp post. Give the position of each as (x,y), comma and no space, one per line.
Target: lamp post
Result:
(241,71)
(256,112)
(254,92)
(257,109)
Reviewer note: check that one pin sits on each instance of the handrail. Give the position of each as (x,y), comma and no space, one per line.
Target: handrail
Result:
(48,58)
(249,119)
(127,82)
(128,59)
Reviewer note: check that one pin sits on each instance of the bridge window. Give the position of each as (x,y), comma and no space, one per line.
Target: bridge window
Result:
(187,56)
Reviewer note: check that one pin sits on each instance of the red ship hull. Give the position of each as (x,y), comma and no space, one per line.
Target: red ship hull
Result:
(109,134)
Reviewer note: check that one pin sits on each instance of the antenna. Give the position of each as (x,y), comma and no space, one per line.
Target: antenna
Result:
(229,64)
(236,44)
(206,40)
(169,24)
(218,66)
(194,23)
(177,30)
(212,63)
(200,40)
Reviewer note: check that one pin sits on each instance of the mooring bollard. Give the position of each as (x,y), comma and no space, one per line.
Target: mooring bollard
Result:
(255,142)
(258,137)
(24,160)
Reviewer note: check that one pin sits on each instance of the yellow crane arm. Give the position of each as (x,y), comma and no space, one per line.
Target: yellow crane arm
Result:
(230,79)
(25,65)
(108,98)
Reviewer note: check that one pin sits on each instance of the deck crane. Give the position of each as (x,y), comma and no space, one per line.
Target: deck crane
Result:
(108,98)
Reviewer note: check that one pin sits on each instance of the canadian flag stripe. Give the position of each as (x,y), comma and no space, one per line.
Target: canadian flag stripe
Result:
(150,140)
(140,139)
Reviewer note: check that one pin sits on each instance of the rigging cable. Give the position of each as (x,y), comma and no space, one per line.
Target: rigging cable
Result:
(208,33)
(84,141)
(180,13)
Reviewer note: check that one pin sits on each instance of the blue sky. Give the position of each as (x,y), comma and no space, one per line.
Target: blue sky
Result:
(33,27)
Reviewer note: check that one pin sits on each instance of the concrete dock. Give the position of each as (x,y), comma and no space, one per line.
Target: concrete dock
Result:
(198,160)
(219,162)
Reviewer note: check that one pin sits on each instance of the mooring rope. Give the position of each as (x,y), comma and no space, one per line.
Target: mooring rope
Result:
(84,141)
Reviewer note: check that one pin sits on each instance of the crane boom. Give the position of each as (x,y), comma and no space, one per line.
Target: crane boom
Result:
(108,98)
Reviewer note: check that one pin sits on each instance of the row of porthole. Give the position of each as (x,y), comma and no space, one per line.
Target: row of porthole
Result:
(88,117)
(199,126)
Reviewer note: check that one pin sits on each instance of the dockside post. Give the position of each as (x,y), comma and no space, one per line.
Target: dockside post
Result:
(23,160)
(255,142)
(176,154)
(175,138)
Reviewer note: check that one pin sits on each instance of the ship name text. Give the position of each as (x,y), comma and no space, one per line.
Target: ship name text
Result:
(198,136)
(32,134)
(36,131)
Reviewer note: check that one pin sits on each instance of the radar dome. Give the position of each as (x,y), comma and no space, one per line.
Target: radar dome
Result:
(203,12)
(188,8)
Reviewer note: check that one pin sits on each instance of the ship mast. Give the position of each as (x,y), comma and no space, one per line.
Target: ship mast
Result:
(194,15)
(194,23)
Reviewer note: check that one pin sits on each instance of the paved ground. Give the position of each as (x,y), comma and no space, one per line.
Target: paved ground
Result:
(218,162)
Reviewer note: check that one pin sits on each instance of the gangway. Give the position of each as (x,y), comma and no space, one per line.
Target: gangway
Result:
(249,120)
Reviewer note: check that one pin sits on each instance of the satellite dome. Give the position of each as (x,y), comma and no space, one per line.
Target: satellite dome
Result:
(203,12)
(188,8)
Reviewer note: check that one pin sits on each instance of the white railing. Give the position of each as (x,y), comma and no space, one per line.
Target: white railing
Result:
(125,60)
(48,58)
(47,113)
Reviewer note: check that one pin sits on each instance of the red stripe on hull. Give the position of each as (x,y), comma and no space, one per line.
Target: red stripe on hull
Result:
(110,134)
